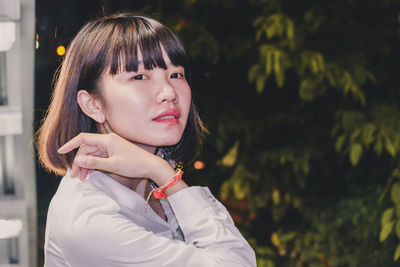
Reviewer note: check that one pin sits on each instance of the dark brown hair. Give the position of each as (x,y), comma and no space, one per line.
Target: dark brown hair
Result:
(108,42)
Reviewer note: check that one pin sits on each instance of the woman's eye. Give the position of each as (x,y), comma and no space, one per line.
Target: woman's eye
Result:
(140,77)
(177,75)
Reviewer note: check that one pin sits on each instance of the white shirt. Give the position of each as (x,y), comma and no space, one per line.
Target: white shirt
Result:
(99,222)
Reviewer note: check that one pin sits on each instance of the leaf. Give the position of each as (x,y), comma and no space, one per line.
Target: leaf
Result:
(241,189)
(253,72)
(395,193)
(258,20)
(396,173)
(340,142)
(397,229)
(260,83)
(307,90)
(390,147)
(270,32)
(320,60)
(360,95)
(276,196)
(275,240)
(355,153)
(239,182)
(287,237)
(265,251)
(259,33)
(387,216)
(224,191)
(277,61)
(290,30)
(230,158)
(268,62)
(355,134)
(385,231)
(397,253)
(306,167)
(280,79)
(270,263)
(368,134)
(360,74)
(378,146)
(314,65)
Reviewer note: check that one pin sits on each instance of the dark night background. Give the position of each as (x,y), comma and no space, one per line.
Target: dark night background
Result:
(302,102)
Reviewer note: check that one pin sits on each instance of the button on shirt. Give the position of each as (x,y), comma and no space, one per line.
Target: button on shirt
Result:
(99,222)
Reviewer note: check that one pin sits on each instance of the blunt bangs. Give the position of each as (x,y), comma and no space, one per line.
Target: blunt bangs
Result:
(147,35)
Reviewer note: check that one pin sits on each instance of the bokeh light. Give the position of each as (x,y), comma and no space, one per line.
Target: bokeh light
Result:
(60,50)
(37,42)
(198,165)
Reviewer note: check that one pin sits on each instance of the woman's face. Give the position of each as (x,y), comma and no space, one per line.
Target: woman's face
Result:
(147,107)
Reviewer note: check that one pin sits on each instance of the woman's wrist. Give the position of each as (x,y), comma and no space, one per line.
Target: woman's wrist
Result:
(162,173)
(175,188)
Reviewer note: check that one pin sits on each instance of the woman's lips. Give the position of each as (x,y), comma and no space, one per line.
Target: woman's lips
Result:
(170,116)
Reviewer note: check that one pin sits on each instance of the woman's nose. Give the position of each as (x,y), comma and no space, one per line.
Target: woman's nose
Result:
(166,92)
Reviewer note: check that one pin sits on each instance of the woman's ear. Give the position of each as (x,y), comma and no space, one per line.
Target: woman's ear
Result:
(91,106)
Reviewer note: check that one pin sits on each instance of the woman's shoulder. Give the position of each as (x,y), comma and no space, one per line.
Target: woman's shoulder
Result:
(82,212)
(77,200)
(80,202)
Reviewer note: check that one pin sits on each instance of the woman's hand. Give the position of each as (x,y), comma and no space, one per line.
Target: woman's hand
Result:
(112,153)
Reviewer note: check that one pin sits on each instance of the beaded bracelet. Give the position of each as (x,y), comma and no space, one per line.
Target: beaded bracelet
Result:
(159,192)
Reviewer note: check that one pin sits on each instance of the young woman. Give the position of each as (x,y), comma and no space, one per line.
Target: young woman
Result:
(121,116)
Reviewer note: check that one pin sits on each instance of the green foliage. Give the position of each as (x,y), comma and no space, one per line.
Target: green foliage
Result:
(302,103)
(381,131)
(397,253)
(238,184)
(391,217)
(387,224)
(398,229)
(230,158)
(355,153)
(284,48)
(395,193)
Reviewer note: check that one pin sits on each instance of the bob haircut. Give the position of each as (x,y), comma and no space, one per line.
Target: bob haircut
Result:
(108,42)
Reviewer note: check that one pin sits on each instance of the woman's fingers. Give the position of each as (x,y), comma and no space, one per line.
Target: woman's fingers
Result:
(83,173)
(111,153)
(94,163)
(74,170)
(83,150)
(98,140)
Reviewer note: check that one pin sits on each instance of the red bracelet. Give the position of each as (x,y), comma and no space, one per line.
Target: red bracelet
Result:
(160,191)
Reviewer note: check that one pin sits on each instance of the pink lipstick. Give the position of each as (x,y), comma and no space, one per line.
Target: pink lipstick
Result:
(170,116)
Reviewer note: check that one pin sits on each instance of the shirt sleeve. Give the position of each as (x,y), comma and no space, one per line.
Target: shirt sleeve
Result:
(110,239)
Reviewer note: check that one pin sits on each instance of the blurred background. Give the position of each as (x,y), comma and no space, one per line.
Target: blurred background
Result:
(302,102)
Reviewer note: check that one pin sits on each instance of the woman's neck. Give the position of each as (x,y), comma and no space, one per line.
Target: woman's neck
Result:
(139,185)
